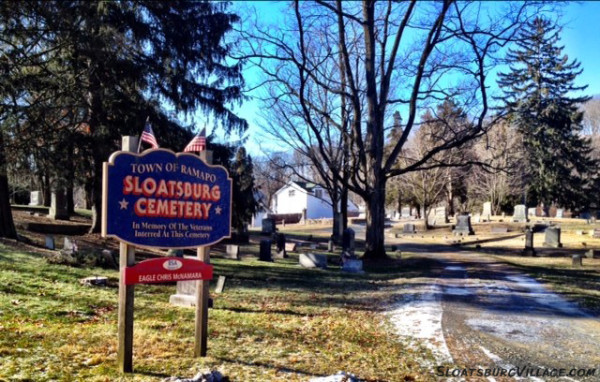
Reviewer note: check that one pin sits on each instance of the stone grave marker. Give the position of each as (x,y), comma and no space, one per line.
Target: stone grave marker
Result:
(577,261)
(311,260)
(477,218)
(596,233)
(520,214)
(353,266)
(69,246)
(220,285)
(409,228)
(35,198)
(50,242)
(499,229)
(291,247)
(531,212)
(463,226)
(437,215)
(348,242)
(232,252)
(58,206)
(265,251)
(486,215)
(560,213)
(593,254)
(280,245)
(529,250)
(552,238)
(268,226)
(405,213)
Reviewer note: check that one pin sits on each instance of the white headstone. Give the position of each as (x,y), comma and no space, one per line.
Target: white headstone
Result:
(520,214)
(486,215)
(35,198)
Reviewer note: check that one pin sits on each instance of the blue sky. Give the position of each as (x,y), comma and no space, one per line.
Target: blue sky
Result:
(580,36)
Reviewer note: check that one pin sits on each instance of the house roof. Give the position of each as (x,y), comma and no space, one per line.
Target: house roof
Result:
(308,186)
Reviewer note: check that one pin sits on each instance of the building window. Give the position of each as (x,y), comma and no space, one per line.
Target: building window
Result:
(291,193)
(319,194)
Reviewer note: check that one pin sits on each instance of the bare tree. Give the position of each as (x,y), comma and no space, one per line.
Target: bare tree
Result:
(367,56)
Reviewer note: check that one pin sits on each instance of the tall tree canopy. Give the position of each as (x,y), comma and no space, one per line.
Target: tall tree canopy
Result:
(539,97)
(363,57)
(100,68)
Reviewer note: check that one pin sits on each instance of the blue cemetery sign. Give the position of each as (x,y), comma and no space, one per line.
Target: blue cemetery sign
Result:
(162,199)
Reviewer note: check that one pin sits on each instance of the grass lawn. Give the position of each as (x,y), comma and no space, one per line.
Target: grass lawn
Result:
(274,322)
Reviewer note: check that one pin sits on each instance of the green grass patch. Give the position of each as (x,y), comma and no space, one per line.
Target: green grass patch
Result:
(274,322)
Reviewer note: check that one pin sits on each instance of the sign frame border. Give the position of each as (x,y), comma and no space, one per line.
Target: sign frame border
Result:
(111,160)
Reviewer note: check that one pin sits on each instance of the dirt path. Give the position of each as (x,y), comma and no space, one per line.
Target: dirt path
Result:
(478,313)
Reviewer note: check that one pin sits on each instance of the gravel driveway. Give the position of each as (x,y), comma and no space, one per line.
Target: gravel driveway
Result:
(477,313)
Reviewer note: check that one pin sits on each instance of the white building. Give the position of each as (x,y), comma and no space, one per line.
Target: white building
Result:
(295,197)
(262,211)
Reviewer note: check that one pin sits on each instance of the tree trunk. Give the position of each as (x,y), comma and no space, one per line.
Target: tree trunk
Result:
(70,183)
(97,194)
(46,189)
(375,214)
(7,226)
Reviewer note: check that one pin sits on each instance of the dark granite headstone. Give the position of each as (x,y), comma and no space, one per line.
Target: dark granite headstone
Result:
(463,225)
(529,250)
(348,240)
(58,206)
(50,242)
(268,226)
(552,238)
(280,244)
(265,251)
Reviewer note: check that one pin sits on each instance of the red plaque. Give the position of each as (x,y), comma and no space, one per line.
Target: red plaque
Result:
(167,269)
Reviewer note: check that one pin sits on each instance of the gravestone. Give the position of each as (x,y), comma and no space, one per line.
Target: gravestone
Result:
(477,218)
(499,229)
(560,213)
(353,266)
(520,214)
(69,246)
(577,261)
(593,254)
(232,252)
(265,251)
(35,198)
(409,228)
(268,226)
(405,213)
(348,240)
(311,260)
(486,215)
(437,215)
(463,226)
(531,212)
(280,245)
(50,242)
(290,247)
(596,233)
(220,285)
(552,238)
(529,250)
(58,206)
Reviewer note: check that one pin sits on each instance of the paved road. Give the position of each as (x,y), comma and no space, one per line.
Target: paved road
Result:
(479,313)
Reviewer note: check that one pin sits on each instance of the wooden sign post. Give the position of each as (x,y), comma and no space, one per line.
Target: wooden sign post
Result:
(162,199)
(126,292)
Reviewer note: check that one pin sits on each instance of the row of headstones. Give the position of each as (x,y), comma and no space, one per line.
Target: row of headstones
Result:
(522,213)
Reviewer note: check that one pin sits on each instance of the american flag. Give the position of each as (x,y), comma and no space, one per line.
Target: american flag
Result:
(198,143)
(148,136)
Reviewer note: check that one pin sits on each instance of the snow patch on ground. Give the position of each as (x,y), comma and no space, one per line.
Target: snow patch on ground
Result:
(544,297)
(420,320)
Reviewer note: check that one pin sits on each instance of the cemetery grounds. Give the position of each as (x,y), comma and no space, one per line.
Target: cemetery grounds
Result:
(280,322)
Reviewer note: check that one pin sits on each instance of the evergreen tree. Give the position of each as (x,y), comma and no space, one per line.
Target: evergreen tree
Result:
(110,65)
(244,203)
(538,98)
